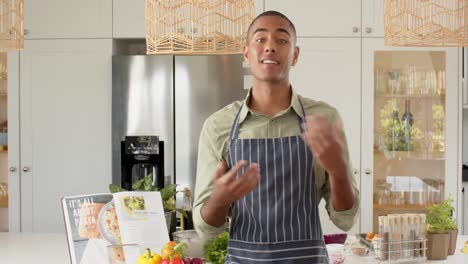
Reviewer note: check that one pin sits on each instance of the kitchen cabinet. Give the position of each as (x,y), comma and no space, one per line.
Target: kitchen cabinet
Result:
(12,212)
(129,18)
(64,128)
(3,144)
(321,18)
(67,19)
(372,18)
(408,163)
(358,80)
(327,71)
(337,18)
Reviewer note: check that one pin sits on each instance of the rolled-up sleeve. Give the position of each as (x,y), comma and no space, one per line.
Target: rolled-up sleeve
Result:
(209,155)
(345,219)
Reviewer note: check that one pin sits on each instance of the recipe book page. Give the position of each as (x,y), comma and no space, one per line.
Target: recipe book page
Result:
(142,221)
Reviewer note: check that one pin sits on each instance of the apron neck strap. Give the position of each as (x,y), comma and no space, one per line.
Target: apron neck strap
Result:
(236,125)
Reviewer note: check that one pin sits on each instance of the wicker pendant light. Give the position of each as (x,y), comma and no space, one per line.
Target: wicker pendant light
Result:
(11,25)
(197,26)
(442,23)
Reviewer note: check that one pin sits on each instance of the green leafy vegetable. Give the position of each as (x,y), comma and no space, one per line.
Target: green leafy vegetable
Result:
(215,251)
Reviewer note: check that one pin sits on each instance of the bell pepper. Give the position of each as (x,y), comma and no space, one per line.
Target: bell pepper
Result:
(173,251)
(149,258)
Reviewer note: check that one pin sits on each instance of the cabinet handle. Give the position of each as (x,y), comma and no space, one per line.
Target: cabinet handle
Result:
(355,29)
(355,171)
(26,169)
(12,169)
(368,172)
(26,32)
(368,30)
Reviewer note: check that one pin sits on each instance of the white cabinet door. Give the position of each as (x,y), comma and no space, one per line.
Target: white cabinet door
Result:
(400,180)
(328,70)
(129,19)
(14,212)
(68,19)
(259,8)
(372,18)
(65,93)
(333,18)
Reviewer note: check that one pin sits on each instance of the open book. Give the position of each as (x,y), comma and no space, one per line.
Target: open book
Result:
(96,221)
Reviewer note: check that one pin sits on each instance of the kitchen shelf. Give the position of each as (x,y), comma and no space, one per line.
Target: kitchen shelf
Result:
(403,207)
(410,96)
(409,155)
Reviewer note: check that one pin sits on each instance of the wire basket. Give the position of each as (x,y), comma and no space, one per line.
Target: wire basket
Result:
(197,26)
(11,25)
(403,251)
(426,23)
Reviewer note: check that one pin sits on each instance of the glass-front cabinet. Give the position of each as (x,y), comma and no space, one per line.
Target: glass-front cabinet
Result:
(3,144)
(410,130)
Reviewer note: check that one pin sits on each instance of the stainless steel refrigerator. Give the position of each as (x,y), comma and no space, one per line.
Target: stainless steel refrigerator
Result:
(170,97)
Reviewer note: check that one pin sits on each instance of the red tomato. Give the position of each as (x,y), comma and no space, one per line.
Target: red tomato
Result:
(175,261)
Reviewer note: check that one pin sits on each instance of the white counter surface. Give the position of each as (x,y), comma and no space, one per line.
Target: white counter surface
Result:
(27,248)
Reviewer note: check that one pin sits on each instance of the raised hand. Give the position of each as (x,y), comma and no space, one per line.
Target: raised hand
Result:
(227,188)
(326,141)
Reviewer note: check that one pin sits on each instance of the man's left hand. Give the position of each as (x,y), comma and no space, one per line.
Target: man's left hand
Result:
(326,141)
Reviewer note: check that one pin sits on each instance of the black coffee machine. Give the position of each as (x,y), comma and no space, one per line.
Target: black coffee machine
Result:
(141,156)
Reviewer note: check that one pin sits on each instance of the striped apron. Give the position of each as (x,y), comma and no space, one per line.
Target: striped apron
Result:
(278,222)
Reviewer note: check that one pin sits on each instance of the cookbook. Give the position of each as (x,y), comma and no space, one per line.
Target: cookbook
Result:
(94,222)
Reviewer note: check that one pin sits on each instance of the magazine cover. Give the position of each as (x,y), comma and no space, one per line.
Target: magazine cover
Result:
(91,225)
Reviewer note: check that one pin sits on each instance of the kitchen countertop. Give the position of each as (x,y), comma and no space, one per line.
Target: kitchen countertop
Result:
(25,248)
(458,257)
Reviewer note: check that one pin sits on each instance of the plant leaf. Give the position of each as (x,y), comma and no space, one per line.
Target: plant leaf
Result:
(138,185)
(148,182)
(115,188)
(168,191)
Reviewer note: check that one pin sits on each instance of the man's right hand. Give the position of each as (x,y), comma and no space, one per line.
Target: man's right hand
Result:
(228,189)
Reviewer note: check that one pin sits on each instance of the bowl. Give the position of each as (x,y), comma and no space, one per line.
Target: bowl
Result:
(336,253)
(196,244)
(359,250)
(335,238)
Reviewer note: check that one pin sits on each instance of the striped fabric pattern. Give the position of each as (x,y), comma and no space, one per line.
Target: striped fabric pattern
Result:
(278,220)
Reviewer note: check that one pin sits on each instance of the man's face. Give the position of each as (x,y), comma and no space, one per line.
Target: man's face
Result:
(271,49)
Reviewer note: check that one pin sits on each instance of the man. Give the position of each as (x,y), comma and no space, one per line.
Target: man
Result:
(268,160)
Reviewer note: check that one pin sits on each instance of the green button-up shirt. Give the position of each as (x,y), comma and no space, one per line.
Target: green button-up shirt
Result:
(214,142)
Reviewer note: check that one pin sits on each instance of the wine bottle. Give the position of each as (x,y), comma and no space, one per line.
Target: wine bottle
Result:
(187,221)
(395,128)
(407,115)
(407,123)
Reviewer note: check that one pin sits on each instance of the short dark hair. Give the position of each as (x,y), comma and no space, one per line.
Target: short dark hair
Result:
(272,13)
